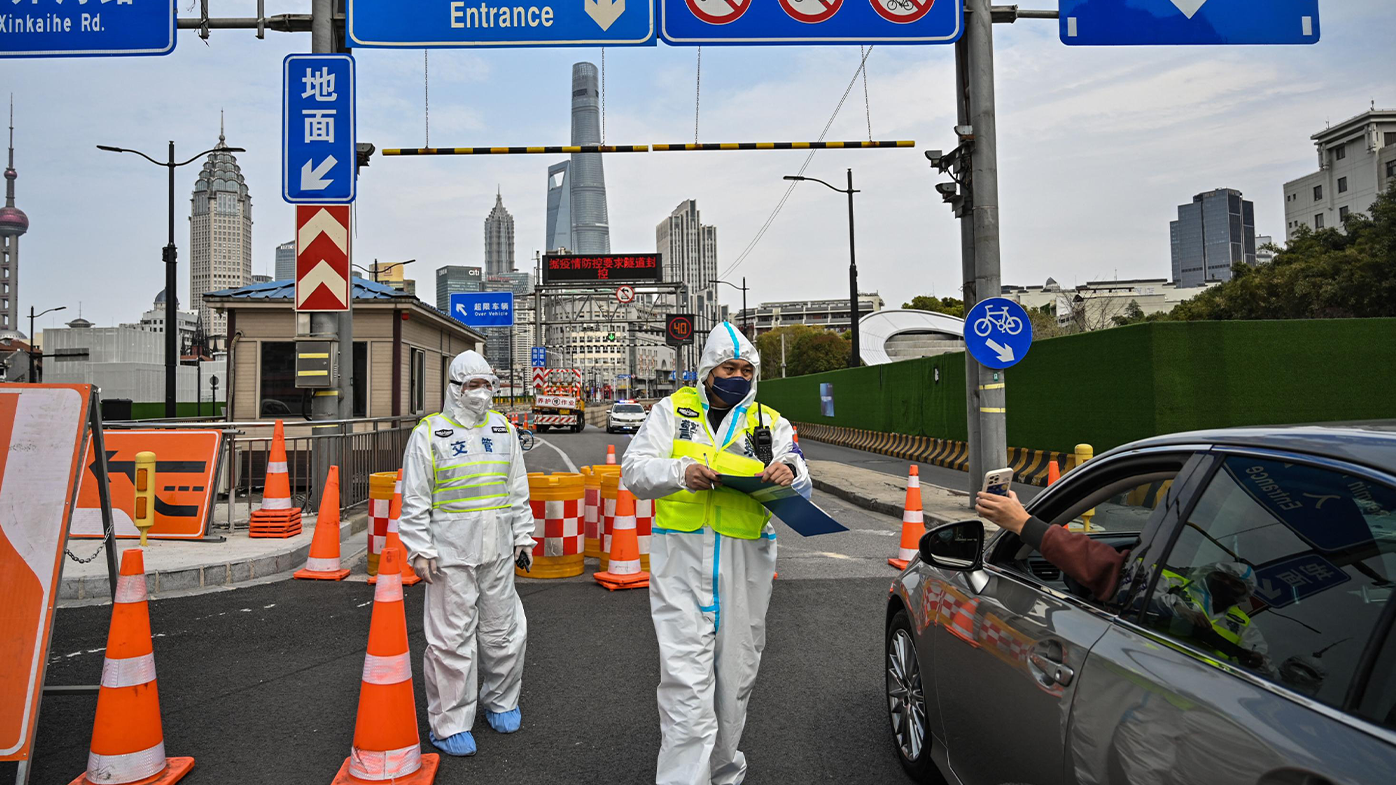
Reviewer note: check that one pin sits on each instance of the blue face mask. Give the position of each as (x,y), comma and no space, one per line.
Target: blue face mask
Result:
(732,389)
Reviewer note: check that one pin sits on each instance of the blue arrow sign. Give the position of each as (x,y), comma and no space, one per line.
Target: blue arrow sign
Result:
(748,22)
(456,23)
(998,332)
(540,357)
(483,309)
(318,155)
(1175,22)
(87,29)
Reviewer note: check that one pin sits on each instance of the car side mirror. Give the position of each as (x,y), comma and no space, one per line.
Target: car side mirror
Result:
(955,546)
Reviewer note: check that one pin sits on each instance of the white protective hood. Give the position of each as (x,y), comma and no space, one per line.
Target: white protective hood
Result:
(724,343)
(467,366)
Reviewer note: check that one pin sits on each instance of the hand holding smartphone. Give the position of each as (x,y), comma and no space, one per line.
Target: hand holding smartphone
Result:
(998,481)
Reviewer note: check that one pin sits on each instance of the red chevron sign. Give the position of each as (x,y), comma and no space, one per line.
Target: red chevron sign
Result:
(322,257)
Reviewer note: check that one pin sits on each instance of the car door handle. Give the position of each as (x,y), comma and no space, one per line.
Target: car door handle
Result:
(1054,671)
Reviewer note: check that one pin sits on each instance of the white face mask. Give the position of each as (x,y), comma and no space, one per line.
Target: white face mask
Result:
(476,401)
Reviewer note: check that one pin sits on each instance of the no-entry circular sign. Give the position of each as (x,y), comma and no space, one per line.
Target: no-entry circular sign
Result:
(718,12)
(625,294)
(902,11)
(811,11)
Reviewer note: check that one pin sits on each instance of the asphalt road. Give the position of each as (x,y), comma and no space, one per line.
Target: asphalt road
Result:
(261,684)
(930,473)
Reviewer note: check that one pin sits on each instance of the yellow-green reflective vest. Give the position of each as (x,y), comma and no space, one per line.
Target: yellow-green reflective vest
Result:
(470,466)
(727,512)
(1229,625)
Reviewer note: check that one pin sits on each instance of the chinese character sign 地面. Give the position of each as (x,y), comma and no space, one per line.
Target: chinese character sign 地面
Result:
(318,147)
(483,309)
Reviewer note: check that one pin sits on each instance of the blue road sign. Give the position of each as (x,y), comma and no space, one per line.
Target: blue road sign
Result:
(998,332)
(484,309)
(1288,581)
(1174,22)
(748,22)
(540,357)
(82,29)
(318,155)
(463,23)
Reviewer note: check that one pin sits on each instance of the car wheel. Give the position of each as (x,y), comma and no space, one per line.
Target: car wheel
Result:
(906,702)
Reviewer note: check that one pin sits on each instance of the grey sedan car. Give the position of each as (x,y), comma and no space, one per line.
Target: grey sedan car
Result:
(1249,637)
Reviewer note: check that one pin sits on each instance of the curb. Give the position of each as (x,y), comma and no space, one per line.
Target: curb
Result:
(877,505)
(90,588)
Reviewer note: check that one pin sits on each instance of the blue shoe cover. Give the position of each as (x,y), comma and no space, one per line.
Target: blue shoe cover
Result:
(507,722)
(461,745)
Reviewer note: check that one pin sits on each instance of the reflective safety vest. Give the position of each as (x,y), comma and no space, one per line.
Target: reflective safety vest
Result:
(470,466)
(727,512)
(1229,625)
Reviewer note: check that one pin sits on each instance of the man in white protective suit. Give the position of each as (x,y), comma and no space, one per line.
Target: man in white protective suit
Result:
(465,522)
(713,555)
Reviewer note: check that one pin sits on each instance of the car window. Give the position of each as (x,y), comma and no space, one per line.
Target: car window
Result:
(1283,569)
(628,408)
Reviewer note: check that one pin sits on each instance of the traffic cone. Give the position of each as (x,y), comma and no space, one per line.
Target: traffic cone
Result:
(386,746)
(276,517)
(394,540)
(795,433)
(913,521)
(323,562)
(610,455)
(1054,471)
(624,570)
(128,742)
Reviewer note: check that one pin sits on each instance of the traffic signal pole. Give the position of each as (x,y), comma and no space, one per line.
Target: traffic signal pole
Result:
(325,403)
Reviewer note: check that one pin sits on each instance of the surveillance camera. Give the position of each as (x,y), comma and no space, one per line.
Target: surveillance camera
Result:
(946,189)
(964,131)
(934,156)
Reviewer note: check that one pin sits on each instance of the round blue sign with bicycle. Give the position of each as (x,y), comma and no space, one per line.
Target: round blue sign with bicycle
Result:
(998,332)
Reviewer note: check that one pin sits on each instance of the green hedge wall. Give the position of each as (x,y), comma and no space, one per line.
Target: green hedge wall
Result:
(1113,386)
(155,410)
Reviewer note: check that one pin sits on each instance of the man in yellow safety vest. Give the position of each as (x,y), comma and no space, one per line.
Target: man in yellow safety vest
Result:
(713,555)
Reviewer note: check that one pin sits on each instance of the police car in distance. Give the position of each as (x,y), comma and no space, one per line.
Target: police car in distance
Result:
(626,415)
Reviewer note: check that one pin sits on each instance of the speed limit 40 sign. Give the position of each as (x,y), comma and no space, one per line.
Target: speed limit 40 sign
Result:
(678,329)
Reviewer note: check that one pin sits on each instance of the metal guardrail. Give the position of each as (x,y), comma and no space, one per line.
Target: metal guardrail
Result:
(362,446)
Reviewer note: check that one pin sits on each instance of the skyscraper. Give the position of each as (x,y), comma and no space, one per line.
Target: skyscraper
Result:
(499,239)
(578,220)
(285,262)
(13,223)
(220,236)
(689,252)
(1213,232)
(455,279)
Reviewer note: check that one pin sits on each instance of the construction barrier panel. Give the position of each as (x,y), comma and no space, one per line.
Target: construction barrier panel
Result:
(557,501)
(186,479)
(591,476)
(380,498)
(644,521)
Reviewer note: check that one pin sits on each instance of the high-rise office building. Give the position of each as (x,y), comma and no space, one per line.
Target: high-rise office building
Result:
(1356,161)
(13,223)
(499,239)
(497,348)
(582,209)
(220,236)
(688,249)
(1213,232)
(455,279)
(285,268)
(559,208)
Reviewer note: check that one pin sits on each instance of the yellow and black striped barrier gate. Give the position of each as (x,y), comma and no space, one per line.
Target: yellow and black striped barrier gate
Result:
(710,146)
(645,148)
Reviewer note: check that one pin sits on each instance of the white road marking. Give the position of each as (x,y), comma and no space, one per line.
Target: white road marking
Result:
(571,467)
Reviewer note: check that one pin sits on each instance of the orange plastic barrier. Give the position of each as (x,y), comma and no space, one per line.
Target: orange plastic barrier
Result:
(591,476)
(557,501)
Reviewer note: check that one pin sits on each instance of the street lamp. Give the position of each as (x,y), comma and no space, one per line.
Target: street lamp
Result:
(32,316)
(746,317)
(171,254)
(854,358)
(377,268)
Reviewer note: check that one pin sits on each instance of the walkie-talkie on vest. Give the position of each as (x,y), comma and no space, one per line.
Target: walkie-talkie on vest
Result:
(762,440)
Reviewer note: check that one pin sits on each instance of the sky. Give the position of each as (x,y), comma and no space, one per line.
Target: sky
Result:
(1097,148)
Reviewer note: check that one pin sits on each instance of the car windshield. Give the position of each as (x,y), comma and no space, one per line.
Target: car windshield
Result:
(628,408)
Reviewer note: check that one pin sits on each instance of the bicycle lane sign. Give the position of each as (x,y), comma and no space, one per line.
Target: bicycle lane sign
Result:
(902,11)
(998,332)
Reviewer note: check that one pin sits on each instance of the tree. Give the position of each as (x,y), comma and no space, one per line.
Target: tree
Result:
(1133,315)
(822,352)
(768,344)
(946,305)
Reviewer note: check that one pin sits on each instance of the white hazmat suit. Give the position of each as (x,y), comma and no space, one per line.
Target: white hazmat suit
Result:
(708,592)
(465,505)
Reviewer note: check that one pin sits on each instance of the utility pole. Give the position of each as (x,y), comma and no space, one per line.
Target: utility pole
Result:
(327,404)
(855,358)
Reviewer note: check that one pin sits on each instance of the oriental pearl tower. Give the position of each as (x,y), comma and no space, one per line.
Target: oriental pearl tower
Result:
(13,223)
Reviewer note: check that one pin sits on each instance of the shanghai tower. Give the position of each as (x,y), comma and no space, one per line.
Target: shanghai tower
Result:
(591,231)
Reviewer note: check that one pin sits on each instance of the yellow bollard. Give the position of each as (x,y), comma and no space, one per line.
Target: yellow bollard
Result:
(145,493)
(1085,452)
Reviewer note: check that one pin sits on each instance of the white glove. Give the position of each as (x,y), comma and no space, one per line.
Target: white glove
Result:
(521,549)
(425,568)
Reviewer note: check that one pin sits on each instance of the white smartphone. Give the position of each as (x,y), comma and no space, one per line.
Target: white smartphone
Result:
(998,481)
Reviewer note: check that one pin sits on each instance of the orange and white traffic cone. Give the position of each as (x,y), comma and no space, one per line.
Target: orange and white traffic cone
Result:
(795,433)
(386,745)
(1054,471)
(913,521)
(624,571)
(394,540)
(323,562)
(128,741)
(276,517)
(610,455)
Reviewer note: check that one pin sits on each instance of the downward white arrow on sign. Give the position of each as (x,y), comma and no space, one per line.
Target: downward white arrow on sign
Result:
(322,275)
(1005,353)
(606,12)
(1189,7)
(311,178)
